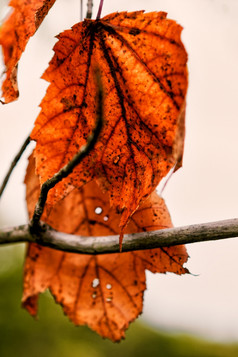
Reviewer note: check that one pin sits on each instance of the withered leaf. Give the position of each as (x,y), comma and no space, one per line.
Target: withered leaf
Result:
(15,32)
(105,292)
(142,62)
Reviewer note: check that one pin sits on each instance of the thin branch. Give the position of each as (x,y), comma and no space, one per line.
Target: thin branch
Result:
(81,10)
(69,167)
(110,244)
(13,164)
(89,9)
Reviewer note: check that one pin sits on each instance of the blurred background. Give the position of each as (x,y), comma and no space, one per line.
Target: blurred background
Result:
(204,304)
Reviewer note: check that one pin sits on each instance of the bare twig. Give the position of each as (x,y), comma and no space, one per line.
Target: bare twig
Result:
(81,10)
(69,167)
(13,164)
(110,244)
(89,9)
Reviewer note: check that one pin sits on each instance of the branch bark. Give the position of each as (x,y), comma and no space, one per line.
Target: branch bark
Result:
(110,244)
(69,167)
(89,9)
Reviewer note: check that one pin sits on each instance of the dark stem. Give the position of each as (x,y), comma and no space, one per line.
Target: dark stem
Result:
(13,164)
(99,10)
(81,10)
(68,168)
(89,9)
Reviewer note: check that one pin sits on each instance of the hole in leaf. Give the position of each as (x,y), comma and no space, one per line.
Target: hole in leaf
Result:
(98,210)
(94,295)
(95,282)
(108,299)
(108,286)
(105,218)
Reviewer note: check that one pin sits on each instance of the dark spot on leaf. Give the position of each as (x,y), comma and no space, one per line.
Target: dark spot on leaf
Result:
(134,31)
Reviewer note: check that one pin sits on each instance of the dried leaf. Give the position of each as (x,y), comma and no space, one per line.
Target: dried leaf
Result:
(14,35)
(106,291)
(144,76)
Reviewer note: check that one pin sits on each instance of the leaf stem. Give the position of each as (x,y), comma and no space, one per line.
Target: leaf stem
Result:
(13,164)
(99,10)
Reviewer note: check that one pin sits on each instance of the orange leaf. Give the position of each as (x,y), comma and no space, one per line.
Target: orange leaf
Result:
(14,35)
(106,291)
(144,76)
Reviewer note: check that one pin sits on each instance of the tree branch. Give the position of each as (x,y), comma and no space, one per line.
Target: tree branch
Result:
(89,9)
(110,244)
(69,167)
(81,10)
(13,164)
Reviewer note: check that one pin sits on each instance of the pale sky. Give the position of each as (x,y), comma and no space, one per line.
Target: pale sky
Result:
(204,190)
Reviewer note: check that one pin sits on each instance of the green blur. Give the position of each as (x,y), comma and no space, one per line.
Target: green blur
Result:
(54,336)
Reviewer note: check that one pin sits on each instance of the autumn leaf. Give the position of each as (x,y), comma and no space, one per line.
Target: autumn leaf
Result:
(142,62)
(106,291)
(15,32)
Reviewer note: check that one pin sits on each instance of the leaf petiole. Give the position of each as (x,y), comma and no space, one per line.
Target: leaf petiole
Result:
(99,10)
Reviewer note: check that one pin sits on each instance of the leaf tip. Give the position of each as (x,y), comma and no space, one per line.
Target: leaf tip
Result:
(30,304)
